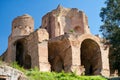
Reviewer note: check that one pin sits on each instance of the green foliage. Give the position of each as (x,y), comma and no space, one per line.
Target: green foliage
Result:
(71,30)
(35,74)
(111,28)
(16,66)
(110,17)
(0,62)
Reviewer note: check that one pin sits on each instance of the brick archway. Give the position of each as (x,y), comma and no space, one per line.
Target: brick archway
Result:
(91,57)
(22,58)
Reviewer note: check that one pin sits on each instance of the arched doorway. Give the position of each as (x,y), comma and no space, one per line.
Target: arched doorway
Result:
(22,57)
(19,52)
(91,57)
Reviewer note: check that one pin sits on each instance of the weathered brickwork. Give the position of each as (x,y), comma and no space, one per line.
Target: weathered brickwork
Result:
(9,73)
(63,42)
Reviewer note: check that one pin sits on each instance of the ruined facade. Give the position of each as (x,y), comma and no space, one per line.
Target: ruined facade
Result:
(63,42)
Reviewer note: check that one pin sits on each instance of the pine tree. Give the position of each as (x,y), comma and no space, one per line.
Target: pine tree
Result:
(111,29)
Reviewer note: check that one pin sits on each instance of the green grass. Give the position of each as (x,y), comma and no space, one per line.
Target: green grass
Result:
(16,66)
(35,74)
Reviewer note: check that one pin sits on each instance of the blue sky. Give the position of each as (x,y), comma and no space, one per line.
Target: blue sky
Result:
(9,9)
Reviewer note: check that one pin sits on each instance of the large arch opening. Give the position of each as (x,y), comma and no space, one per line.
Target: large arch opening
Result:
(60,54)
(91,57)
(22,58)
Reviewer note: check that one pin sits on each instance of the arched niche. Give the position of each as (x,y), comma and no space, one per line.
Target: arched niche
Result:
(19,52)
(58,29)
(22,57)
(60,54)
(91,57)
(77,29)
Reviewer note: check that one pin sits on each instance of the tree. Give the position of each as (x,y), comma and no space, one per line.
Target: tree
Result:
(111,28)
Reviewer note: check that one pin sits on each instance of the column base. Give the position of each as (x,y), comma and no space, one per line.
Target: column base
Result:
(79,70)
(105,72)
(44,67)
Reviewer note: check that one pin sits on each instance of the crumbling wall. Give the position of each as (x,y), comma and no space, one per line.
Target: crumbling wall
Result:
(22,25)
(9,73)
(66,43)
(43,37)
(65,20)
(29,51)
(85,54)
(38,49)
(100,55)
(60,54)
(10,55)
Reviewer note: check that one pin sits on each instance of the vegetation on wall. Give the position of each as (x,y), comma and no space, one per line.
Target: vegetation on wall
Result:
(71,30)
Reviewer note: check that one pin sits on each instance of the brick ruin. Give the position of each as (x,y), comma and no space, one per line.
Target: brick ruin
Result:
(9,73)
(63,42)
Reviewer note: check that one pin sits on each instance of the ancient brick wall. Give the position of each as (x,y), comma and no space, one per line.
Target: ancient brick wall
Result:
(63,42)
(9,73)
(65,20)
(72,52)
(38,49)
(22,25)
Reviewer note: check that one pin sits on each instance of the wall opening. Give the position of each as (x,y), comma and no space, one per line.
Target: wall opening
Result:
(91,57)
(57,29)
(77,29)
(22,58)
(19,52)
(27,61)
(57,64)
(3,77)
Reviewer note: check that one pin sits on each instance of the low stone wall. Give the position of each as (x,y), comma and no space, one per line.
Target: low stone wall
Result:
(9,73)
